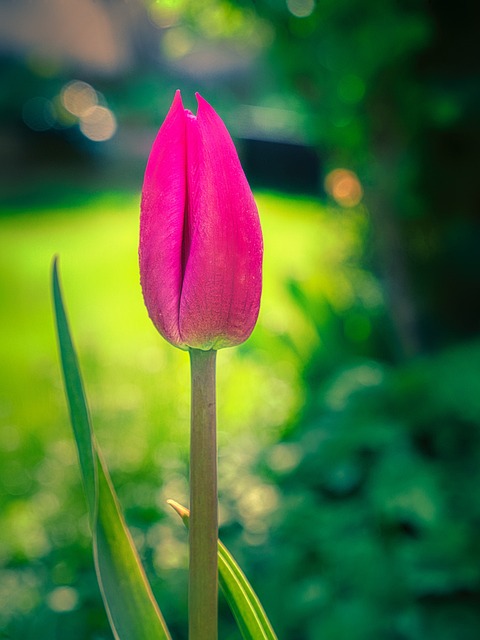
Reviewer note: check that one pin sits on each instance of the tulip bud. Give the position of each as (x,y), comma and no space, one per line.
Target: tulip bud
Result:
(200,238)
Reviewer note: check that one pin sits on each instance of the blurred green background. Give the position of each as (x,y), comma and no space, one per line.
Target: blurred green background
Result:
(349,423)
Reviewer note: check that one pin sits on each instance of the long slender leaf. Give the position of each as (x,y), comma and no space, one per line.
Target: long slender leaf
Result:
(131,607)
(242,599)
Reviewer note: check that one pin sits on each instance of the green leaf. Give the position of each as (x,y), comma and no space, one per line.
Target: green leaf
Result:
(131,607)
(242,599)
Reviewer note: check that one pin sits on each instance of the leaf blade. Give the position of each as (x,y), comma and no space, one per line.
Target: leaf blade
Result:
(244,603)
(131,607)
(242,599)
(76,399)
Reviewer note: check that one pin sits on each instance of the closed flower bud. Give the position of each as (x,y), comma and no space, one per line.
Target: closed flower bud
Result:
(200,237)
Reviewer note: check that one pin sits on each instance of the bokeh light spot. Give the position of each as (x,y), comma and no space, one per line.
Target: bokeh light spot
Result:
(62,599)
(162,17)
(165,13)
(98,124)
(177,42)
(42,64)
(63,118)
(351,89)
(344,187)
(284,457)
(348,382)
(37,113)
(301,8)
(78,97)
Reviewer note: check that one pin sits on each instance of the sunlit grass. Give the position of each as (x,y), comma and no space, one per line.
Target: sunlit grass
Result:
(128,367)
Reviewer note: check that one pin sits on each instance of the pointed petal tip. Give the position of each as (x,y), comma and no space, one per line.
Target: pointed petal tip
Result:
(201,102)
(205,111)
(177,98)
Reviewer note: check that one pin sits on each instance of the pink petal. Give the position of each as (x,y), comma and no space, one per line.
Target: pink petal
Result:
(161,223)
(222,280)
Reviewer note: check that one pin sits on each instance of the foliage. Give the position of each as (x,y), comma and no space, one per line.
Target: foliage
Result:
(391,88)
(243,601)
(376,484)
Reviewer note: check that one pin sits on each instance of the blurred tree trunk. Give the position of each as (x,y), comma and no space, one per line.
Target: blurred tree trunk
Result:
(389,247)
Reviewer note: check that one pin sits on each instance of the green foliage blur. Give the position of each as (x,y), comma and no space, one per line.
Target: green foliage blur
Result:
(349,423)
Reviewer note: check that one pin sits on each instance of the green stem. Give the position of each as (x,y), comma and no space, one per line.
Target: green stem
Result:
(203,572)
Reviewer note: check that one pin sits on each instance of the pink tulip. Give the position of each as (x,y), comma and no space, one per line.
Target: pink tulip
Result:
(200,237)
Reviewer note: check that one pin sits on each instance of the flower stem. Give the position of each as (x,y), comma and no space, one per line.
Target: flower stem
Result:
(203,573)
